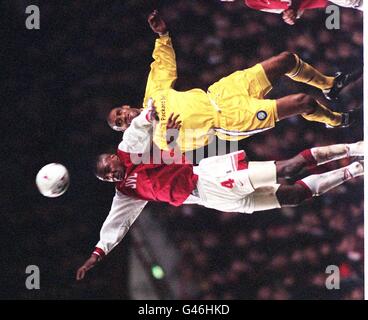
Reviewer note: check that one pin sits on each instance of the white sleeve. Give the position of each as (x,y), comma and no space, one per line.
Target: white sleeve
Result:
(273,10)
(124,211)
(137,138)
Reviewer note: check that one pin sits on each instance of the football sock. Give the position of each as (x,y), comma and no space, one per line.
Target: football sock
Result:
(324,115)
(320,155)
(303,72)
(320,183)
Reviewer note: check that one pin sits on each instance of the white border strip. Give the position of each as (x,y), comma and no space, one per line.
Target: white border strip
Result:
(365,101)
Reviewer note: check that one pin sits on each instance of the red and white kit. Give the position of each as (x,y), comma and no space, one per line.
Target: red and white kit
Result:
(278,6)
(227,183)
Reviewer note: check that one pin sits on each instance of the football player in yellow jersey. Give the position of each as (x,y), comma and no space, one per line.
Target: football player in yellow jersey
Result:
(234,107)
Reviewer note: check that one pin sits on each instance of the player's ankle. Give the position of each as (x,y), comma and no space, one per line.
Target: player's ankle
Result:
(356,149)
(356,169)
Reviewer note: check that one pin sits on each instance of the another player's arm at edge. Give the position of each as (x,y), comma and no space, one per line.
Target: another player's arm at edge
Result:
(163,73)
(124,209)
(293,12)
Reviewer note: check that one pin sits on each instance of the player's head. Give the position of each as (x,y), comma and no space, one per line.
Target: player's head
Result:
(120,118)
(109,168)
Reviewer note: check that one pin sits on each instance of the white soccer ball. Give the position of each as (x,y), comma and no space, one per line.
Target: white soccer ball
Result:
(52,180)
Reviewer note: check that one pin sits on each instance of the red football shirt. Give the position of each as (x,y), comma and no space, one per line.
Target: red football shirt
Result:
(284,4)
(171,183)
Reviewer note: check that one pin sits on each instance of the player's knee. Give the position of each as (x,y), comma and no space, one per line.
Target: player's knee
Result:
(305,103)
(291,195)
(287,168)
(296,198)
(286,55)
(303,98)
(287,59)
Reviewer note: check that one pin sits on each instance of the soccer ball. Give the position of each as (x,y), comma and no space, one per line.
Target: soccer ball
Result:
(52,180)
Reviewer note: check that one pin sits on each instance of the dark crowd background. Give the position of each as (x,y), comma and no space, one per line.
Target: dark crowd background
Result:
(89,56)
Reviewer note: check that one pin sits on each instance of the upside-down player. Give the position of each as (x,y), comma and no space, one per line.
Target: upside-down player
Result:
(228,183)
(293,9)
(234,107)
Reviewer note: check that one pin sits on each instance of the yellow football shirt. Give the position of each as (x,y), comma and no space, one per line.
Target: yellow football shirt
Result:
(196,112)
(233,108)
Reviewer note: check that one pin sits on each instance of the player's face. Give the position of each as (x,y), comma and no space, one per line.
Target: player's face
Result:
(112,169)
(122,117)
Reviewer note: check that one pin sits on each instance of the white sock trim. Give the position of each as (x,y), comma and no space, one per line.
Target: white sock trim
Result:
(330,153)
(356,149)
(321,183)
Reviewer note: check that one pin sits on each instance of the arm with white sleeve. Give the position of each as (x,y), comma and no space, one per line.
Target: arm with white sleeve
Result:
(138,136)
(124,211)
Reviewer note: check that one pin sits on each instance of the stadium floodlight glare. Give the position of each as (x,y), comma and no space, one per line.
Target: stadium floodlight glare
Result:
(157,272)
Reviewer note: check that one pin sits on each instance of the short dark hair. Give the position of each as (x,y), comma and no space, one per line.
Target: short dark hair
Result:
(100,163)
(110,123)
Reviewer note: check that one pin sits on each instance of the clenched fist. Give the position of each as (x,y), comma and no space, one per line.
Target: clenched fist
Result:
(156,23)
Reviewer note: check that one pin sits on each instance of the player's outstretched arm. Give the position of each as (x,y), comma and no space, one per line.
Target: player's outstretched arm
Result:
(163,69)
(88,264)
(156,23)
(124,211)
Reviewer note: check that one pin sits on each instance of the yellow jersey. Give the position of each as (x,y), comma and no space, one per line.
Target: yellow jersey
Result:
(193,106)
(233,108)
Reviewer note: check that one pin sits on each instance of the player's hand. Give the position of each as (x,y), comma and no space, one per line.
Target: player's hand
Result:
(172,128)
(289,16)
(152,112)
(156,23)
(88,264)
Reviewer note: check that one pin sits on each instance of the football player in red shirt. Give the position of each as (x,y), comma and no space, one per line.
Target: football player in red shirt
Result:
(228,183)
(293,9)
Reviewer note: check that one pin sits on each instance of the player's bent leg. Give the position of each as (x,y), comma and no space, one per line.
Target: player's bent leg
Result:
(309,108)
(267,173)
(299,166)
(305,73)
(265,198)
(276,196)
(292,167)
(318,184)
(277,66)
(291,65)
(322,155)
(262,173)
(306,161)
(294,104)
(321,183)
(292,195)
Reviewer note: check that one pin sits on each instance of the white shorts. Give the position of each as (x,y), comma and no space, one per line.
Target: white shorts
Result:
(355,4)
(246,190)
